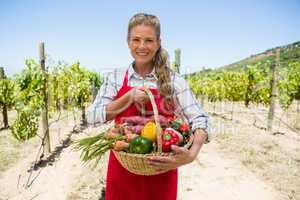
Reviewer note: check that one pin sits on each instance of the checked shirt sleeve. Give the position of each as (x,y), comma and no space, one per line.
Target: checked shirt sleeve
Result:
(97,111)
(189,107)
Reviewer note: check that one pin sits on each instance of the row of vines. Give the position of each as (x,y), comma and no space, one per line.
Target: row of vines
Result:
(251,84)
(68,86)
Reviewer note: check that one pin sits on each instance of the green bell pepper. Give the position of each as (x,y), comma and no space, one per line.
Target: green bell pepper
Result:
(140,145)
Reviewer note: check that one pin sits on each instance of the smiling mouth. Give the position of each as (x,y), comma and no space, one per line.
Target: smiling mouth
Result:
(141,54)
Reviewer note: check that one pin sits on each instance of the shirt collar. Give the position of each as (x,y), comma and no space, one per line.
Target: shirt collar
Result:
(132,73)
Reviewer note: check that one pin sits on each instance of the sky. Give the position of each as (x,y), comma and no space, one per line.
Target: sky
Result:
(210,34)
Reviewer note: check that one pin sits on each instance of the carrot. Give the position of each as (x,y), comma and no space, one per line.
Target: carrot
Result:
(121,145)
(116,129)
(110,134)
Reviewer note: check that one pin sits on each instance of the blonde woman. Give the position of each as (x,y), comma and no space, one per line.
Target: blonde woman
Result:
(120,95)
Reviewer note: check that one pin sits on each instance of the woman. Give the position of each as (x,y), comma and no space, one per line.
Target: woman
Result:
(122,95)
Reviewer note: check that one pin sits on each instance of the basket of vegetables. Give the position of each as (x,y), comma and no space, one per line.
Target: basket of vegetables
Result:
(136,139)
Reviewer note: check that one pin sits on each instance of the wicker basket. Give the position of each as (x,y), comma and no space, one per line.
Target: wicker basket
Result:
(138,163)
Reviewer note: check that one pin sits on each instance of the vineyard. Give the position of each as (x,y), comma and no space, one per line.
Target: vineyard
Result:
(263,82)
(60,87)
(254,106)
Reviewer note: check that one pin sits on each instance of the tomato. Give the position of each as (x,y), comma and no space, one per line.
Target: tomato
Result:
(170,119)
(184,128)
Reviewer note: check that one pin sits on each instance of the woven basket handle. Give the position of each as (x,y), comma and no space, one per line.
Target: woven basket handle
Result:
(156,119)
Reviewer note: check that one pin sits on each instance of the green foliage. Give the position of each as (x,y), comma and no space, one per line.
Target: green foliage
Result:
(251,84)
(58,87)
(71,86)
(30,84)
(235,87)
(80,85)
(95,80)
(7,96)
(29,101)
(289,85)
(210,85)
(66,85)
(26,124)
(288,53)
(258,79)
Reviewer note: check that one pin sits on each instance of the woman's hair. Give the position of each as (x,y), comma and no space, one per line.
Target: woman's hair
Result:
(160,60)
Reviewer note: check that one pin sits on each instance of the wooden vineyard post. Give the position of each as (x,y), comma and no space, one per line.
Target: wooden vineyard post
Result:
(177,60)
(2,74)
(273,91)
(83,116)
(46,142)
(201,85)
(94,91)
(297,124)
(4,108)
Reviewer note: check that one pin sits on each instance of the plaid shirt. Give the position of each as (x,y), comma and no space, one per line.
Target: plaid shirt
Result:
(188,107)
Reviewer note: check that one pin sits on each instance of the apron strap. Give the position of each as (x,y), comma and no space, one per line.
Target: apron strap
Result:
(125,81)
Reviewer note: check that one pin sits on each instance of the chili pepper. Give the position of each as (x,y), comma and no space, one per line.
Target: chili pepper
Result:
(169,137)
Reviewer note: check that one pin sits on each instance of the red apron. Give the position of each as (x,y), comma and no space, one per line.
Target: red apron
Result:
(124,185)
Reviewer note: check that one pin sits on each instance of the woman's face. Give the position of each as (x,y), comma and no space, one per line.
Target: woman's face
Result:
(143,44)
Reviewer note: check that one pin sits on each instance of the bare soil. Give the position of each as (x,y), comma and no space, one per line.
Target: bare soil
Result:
(242,162)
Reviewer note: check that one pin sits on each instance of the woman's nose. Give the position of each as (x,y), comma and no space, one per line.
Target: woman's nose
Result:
(142,44)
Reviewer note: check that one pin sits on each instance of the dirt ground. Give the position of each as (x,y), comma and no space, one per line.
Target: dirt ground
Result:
(242,162)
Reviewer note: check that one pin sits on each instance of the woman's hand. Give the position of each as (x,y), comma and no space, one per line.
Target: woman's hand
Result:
(136,96)
(139,96)
(182,156)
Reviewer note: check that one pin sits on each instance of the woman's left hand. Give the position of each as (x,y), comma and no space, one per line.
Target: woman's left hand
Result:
(181,157)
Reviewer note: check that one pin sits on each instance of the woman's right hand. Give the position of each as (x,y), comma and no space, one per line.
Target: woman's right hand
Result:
(139,96)
(136,96)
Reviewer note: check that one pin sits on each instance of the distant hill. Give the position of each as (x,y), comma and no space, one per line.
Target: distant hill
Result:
(288,53)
